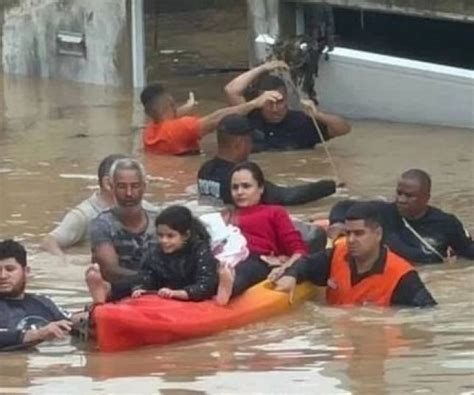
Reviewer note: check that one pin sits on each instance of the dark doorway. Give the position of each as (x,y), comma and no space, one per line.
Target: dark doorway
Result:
(431,40)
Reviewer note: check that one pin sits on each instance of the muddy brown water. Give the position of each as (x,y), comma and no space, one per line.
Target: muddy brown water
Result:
(52,136)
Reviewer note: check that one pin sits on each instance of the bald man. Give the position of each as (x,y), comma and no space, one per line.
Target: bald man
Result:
(415,230)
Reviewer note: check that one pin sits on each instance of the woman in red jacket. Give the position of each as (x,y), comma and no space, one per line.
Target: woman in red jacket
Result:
(268,229)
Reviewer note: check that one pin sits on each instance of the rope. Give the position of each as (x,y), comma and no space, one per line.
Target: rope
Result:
(316,125)
(422,240)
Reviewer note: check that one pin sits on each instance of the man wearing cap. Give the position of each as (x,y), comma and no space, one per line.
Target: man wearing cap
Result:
(26,319)
(234,144)
(282,128)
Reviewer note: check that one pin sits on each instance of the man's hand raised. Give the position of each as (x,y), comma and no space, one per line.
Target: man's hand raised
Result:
(275,65)
(267,96)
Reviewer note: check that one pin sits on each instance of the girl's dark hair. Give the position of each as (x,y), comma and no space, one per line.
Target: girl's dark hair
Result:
(180,219)
(253,168)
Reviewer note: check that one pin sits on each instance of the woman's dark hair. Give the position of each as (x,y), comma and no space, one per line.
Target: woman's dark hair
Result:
(180,219)
(253,168)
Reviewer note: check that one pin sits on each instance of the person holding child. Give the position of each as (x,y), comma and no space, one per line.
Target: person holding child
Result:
(271,236)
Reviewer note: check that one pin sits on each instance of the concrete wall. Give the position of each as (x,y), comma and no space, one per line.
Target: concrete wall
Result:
(461,10)
(366,85)
(29,40)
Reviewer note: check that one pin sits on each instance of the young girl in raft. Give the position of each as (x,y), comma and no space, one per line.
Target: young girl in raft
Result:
(181,266)
(268,229)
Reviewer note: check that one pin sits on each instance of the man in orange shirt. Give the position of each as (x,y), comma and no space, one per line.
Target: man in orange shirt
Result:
(171,132)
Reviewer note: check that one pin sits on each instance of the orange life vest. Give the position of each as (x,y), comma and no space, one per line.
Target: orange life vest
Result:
(376,289)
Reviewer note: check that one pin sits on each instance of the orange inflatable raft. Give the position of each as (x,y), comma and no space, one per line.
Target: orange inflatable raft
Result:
(151,320)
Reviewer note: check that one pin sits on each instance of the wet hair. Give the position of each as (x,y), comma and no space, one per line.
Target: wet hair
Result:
(366,211)
(106,164)
(11,249)
(150,93)
(419,175)
(271,83)
(233,125)
(253,168)
(181,219)
(339,210)
(127,164)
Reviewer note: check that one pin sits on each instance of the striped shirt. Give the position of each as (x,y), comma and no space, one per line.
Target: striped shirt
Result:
(131,247)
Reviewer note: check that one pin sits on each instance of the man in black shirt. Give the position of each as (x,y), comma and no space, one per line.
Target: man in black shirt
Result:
(415,230)
(234,144)
(281,128)
(360,269)
(26,319)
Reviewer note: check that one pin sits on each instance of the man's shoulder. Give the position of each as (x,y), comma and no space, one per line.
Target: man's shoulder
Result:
(207,167)
(91,207)
(177,124)
(438,215)
(213,165)
(104,220)
(105,215)
(38,298)
(156,131)
(295,117)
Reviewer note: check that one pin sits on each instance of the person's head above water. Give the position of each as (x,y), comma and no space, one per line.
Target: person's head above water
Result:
(128,180)
(247,184)
(176,226)
(13,269)
(273,111)
(364,232)
(234,138)
(103,172)
(413,193)
(158,103)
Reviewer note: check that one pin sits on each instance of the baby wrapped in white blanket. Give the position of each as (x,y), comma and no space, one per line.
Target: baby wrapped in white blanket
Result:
(228,244)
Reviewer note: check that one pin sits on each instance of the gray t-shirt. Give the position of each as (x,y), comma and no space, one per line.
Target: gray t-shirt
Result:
(131,247)
(75,226)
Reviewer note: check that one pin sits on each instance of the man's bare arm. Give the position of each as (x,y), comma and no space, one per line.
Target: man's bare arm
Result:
(209,122)
(336,125)
(106,256)
(235,89)
(51,245)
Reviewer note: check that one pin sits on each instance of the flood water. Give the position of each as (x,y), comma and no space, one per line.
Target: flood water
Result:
(53,135)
